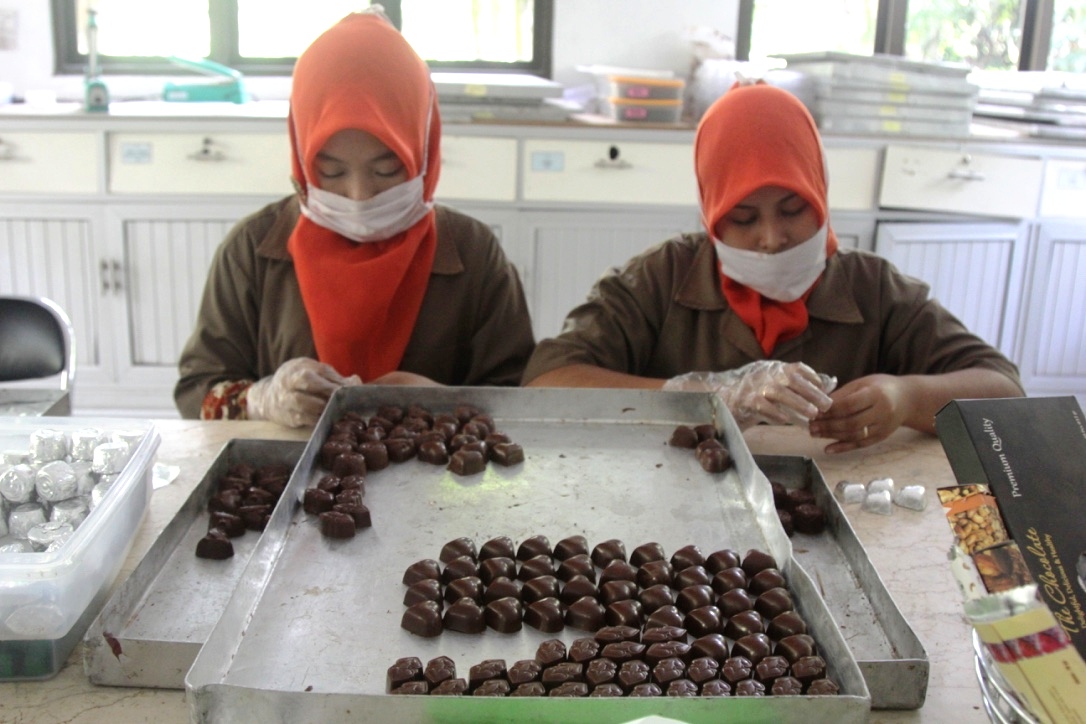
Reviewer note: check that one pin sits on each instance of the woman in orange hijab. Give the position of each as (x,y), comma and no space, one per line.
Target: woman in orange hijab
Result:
(359,277)
(764,309)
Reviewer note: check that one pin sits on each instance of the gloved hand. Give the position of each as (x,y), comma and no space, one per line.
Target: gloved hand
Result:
(297,393)
(780,393)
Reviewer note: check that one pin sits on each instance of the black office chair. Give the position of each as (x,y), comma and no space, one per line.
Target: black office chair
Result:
(36,341)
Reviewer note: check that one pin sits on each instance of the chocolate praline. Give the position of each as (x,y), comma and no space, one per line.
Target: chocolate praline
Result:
(646,689)
(716,687)
(702,669)
(577,587)
(659,651)
(574,545)
(458,547)
(753,646)
(606,690)
(771,668)
(735,669)
(684,437)
(502,588)
(691,576)
(524,671)
(486,670)
(734,601)
(428,589)
(415,688)
(559,673)
(692,597)
(349,463)
(420,570)
(618,571)
(766,579)
(660,634)
(358,512)
(535,567)
(531,688)
(729,579)
(704,620)
(668,670)
(613,634)
(538,588)
(537,545)
(647,552)
(601,671)
(550,652)
(750,687)
(504,615)
(632,673)
(466,587)
(682,687)
(613,591)
(465,616)
(498,567)
(576,565)
(572,689)
(507,454)
(408,668)
(652,573)
(450,687)
(433,452)
(756,560)
(335,524)
(743,623)
(583,650)
(795,647)
(544,615)
(376,455)
(665,616)
(654,597)
(774,602)
(466,462)
(215,545)
(809,518)
(459,568)
(688,555)
(712,645)
(501,546)
(786,624)
(586,614)
(438,669)
(624,613)
(720,560)
(422,619)
(786,686)
(622,651)
(607,551)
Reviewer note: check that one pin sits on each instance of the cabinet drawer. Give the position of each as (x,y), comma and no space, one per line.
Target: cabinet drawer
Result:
(54,163)
(199,163)
(1064,188)
(603,172)
(960,182)
(478,169)
(853,178)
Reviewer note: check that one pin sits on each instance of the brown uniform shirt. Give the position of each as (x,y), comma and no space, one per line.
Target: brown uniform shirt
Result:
(473,327)
(663,314)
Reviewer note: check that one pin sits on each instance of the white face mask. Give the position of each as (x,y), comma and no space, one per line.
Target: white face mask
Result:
(784,276)
(374,219)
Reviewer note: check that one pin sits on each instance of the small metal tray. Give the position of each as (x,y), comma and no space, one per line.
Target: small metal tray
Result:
(891,657)
(314,623)
(150,631)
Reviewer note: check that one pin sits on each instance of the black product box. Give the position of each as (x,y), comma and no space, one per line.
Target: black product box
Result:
(1031,452)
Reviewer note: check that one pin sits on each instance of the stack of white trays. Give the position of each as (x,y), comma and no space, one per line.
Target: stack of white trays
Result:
(887,95)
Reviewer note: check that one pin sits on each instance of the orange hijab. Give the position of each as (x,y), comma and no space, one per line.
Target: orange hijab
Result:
(363,299)
(755,136)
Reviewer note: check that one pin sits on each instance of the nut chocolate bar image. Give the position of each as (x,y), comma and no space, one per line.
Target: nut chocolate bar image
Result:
(1002,567)
(974,517)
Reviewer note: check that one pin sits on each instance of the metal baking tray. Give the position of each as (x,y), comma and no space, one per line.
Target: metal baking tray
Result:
(150,631)
(891,657)
(315,623)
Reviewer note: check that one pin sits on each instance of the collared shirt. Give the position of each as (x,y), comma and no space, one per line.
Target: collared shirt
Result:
(663,314)
(473,328)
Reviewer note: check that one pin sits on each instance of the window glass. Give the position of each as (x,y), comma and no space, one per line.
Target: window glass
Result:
(498,31)
(985,35)
(1067,51)
(802,26)
(128,28)
(262,32)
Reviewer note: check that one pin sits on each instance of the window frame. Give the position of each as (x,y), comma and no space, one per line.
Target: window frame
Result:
(224,35)
(890,31)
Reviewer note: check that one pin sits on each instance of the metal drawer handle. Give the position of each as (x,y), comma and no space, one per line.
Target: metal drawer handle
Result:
(966,174)
(111,275)
(208,152)
(613,160)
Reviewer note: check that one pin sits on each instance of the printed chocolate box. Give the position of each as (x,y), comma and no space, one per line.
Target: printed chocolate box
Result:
(1031,452)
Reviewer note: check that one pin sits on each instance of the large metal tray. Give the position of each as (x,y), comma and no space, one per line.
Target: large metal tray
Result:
(891,657)
(150,631)
(314,623)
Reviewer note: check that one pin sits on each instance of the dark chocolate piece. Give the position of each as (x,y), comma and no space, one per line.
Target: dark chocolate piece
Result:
(537,545)
(774,602)
(507,453)
(409,668)
(450,687)
(544,615)
(550,652)
(796,497)
(654,573)
(501,546)
(255,516)
(572,546)
(657,652)
(632,673)
(766,579)
(720,560)
(438,669)
(666,616)
(623,651)
(502,588)
(702,669)
(492,687)
(560,673)
(734,601)
(704,620)
(464,616)
(467,462)
(577,587)
(583,650)
(691,576)
(359,513)
(714,459)
(535,567)
(695,596)
(496,567)
(607,551)
(228,523)
(613,591)
(461,567)
(466,587)
(823,687)
(668,670)
(705,431)
(428,589)
(538,588)
(809,518)
(787,522)
(530,688)
(331,450)
(422,619)
(524,671)
(809,668)
(750,687)
(688,555)
(400,449)
(600,671)
(712,645)
(654,597)
(504,615)
(660,634)
(729,579)
(618,571)
(316,501)
(716,687)
(682,687)
(770,669)
(627,612)
(786,624)
(756,561)
(215,546)
(570,689)
(753,646)
(736,669)
(375,454)
(743,623)
(647,689)
(433,452)
(335,524)
(349,463)
(586,614)
(420,570)
(647,552)
(576,565)
(614,634)
(458,547)
(786,686)
(684,437)
(795,647)
(607,689)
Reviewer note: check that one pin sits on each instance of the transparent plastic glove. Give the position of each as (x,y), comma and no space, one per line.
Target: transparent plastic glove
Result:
(297,393)
(780,393)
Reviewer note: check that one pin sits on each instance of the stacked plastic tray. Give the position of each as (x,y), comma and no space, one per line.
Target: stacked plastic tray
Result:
(887,95)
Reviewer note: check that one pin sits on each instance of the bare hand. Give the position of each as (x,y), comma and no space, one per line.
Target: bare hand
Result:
(864,412)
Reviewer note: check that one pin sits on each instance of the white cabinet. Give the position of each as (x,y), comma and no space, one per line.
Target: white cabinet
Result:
(48,162)
(975,270)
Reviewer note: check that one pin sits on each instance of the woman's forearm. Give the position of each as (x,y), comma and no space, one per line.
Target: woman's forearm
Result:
(582,375)
(927,394)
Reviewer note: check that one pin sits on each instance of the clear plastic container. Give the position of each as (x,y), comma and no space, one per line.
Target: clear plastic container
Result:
(644,89)
(642,111)
(48,598)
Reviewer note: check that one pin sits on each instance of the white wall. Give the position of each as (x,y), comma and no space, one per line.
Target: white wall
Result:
(641,34)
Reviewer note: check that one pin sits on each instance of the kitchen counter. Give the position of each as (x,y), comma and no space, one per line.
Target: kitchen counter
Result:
(908,549)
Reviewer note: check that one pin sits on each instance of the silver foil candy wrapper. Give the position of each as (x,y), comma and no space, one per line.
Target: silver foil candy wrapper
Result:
(85,479)
(47,445)
(24,517)
(72,510)
(105,482)
(84,441)
(14,457)
(851,493)
(17,484)
(911,497)
(110,457)
(11,544)
(56,481)
(879,501)
(49,535)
